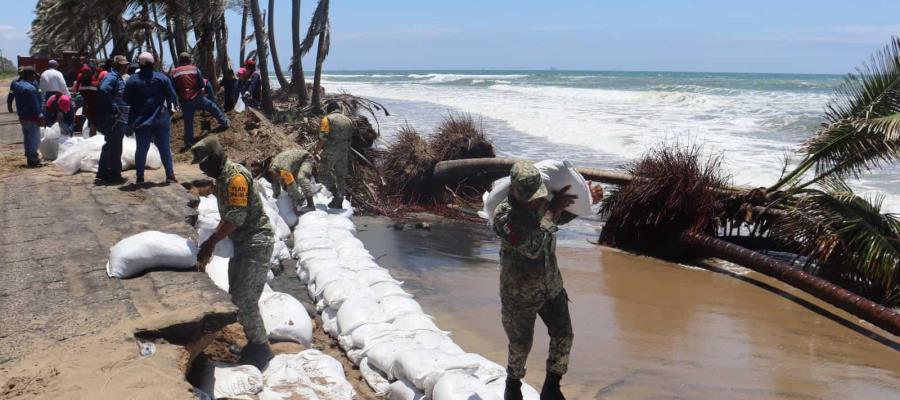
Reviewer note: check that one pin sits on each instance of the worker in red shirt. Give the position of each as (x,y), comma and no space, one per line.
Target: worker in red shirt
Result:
(189,86)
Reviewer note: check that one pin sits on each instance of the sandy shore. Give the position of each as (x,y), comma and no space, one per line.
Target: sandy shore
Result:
(649,329)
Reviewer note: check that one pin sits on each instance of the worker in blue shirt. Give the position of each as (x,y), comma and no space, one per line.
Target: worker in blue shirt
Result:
(29,108)
(151,98)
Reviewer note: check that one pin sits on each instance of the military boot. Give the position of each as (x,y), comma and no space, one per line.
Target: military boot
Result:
(310,206)
(513,389)
(551,390)
(256,354)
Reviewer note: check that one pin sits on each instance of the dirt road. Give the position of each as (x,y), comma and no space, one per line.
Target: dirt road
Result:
(67,328)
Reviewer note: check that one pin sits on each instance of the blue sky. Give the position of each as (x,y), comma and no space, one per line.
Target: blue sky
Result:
(824,36)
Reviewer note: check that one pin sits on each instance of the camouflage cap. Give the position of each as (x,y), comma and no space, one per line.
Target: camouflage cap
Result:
(526,178)
(206,147)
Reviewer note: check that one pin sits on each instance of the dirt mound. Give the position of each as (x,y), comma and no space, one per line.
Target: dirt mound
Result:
(251,138)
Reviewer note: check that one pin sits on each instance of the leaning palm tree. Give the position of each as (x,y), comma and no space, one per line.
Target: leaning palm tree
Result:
(271,31)
(245,12)
(261,49)
(319,29)
(297,78)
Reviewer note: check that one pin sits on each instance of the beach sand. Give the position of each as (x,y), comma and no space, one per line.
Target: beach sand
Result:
(646,328)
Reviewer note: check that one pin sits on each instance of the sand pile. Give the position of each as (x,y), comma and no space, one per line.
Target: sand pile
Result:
(252,136)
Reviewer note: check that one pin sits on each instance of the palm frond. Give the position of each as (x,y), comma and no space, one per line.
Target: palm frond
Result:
(320,23)
(846,235)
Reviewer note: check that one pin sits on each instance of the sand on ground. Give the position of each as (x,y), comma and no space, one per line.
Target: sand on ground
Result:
(647,329)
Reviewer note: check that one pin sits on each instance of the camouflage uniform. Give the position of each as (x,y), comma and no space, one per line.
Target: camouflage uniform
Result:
(337,132)
(293,169)
(530,281)
(239,203)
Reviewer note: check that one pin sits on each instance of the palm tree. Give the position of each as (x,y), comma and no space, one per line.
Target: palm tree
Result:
(259,30)
(319,29)
(297,78)
(271,31)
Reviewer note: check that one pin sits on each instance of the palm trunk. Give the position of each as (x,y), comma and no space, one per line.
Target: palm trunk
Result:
(172,51)
(850,302)
(222,48)
(244,32)
(268,107)
(159,39)
(317,78)
(297,78)
(282,81)
(497,168)
(180,36)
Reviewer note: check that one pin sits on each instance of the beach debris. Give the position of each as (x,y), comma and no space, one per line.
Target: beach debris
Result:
(146,349)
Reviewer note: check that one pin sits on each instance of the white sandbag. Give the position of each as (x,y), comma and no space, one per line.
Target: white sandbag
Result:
(231,382)
(279,227)
(330,322)
(270,276)
(401,390)
(416,366)
(309,374)
(365,335)
(357,311)
(350,243)
(319,265)
(556,175)
(459,385)
(323,254)
(129,149)
(286,209)
(329,276)
(387,289)
(239,106)
(374,276)
(395,306)
(336,293)
(207,221)
(340,235)
(280,252)
(285,318)
(217,271)
(70,161)
(49,146)
(323,243)
(339,222)
(138,253)
(415,322)
(311,217)
(376,380)
(66,143)
(354,254)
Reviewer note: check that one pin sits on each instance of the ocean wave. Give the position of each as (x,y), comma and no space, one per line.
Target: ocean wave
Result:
(447,78)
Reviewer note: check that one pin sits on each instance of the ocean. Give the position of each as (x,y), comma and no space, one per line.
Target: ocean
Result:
(608,119)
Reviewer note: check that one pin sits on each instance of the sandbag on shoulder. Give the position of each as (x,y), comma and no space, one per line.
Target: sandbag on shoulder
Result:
(556,175)
(138,253)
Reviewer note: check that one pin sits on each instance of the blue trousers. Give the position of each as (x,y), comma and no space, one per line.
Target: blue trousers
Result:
(159,133)
(189,107)
(111,155)
(31,135)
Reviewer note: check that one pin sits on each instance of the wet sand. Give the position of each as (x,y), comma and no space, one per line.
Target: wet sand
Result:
(647,329)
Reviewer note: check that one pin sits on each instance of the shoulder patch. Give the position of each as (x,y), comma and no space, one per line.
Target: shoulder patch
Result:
(238,191)
(326,126)
(286,177)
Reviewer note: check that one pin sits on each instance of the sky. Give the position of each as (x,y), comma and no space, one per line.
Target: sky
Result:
(824,36)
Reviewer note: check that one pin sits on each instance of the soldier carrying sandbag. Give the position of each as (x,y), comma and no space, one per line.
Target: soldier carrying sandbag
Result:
(530,281)
(244,221)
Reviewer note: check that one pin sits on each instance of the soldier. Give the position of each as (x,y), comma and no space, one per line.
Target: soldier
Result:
(293,168)
(335,134)
(530,281)
(245,222)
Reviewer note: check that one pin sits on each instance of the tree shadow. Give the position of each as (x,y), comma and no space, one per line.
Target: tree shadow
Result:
(809,306)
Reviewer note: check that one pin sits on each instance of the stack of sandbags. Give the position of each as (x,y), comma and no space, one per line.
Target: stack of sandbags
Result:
(84,155)
(308,375)
(376,322)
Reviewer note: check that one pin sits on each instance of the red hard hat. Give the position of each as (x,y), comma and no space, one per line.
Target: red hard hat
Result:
(250,62)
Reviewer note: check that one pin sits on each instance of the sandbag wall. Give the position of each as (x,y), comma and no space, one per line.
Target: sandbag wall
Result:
(397,346)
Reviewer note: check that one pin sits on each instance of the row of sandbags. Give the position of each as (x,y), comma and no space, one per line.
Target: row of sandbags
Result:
(74,154)
(400,351)
(309,374)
